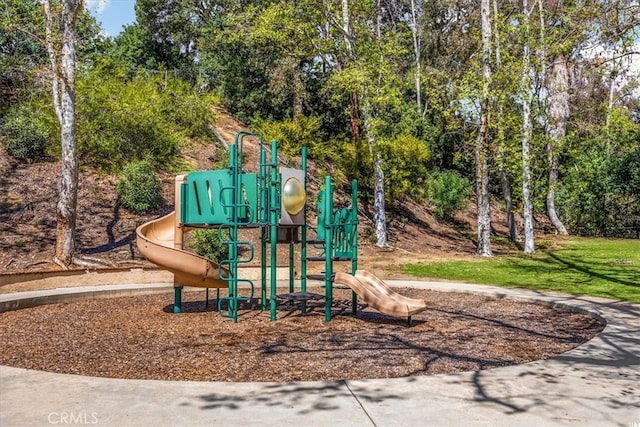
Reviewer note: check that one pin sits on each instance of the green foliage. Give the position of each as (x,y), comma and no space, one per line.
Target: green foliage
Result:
(448,192)
(23,55)
(132,50)
(626,174)
(293,134)
(26,133)
(139,189)
(583,194)
(405,160)
(598,194)
(599,267)
(168,31)
(147,117)
(207,243)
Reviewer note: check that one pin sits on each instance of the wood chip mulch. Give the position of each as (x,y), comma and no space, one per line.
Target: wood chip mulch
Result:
(140,337)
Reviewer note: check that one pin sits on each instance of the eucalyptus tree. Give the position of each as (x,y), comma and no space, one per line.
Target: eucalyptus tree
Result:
(556,79)
(451,72)
(527,129)
(417,48)
(358,30)
(501,124)
(576,36)
(60,31)
(483,139)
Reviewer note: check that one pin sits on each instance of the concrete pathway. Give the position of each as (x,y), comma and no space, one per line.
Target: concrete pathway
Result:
(596,384)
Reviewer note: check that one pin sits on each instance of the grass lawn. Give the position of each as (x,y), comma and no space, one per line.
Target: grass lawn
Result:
(601,267)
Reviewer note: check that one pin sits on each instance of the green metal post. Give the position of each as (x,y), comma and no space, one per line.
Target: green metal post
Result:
(274,210)
(263,267)
(303,236)
(328,248)
(354,243)
(263,219)
(233,231)
(291,268)
(177,299)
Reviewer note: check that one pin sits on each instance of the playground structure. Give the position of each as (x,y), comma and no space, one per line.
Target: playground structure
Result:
(273,200)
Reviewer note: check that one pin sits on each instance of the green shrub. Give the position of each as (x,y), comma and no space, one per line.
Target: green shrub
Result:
(146,117)
(293,134)
(448,192)
(139,190)
(206,243)
(404,160)
(26,135)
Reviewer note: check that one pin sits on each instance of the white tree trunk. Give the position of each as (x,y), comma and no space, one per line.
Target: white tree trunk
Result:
(379,212)
(505,182)
(416,53)
(481,149)
(527,129)
(346,27)
(63,64)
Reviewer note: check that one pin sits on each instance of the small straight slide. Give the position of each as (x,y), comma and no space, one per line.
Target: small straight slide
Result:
(379,296)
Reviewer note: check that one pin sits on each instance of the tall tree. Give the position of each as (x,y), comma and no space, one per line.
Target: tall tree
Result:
(557,106)
(61,47)
(483,140)
(379,215)
(417,46)
(527,130)
(364,73)
(171,28)
(558,113)
(505,181)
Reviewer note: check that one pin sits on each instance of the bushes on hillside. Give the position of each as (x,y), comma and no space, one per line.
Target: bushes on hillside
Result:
(26,134)
(139,189)
(147,117)
(448,192)
(293,134)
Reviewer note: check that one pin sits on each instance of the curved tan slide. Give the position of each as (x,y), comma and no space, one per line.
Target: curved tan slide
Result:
(379,296)
(155,240)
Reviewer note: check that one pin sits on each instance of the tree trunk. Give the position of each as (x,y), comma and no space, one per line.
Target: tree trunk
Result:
(558,113)
(63,83)
(416,53)
(355,119)
(379,212)
(527,129)
(298,90)
(481,163)
(508,201)
(505,183)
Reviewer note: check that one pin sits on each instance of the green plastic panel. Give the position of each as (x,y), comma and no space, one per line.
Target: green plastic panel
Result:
(208,198)
(345,237)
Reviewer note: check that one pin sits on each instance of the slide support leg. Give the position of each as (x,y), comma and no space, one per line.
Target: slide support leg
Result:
(177,299)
